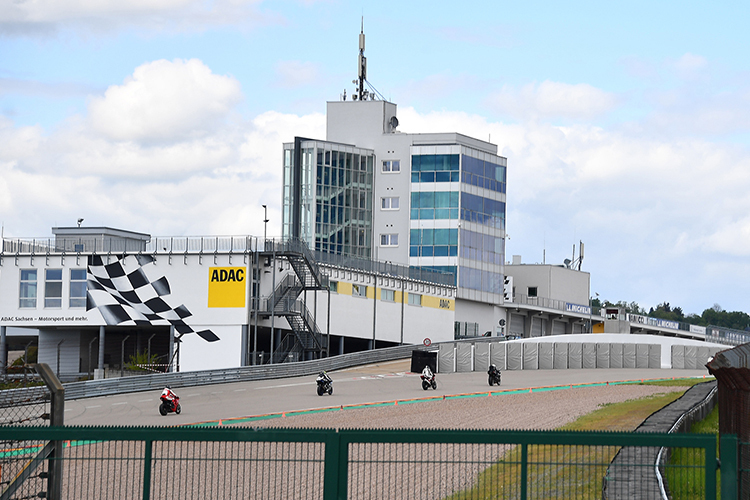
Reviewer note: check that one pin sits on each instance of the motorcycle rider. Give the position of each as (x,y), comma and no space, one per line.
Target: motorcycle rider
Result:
(169,395)
(427,373)
(494,375)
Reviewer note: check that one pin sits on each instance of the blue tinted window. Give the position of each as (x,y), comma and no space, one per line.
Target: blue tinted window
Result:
(441,237)
(443,176)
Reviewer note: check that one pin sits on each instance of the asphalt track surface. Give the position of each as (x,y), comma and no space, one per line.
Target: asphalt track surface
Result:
(382,382)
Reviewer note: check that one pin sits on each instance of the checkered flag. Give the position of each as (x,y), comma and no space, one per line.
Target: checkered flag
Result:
(123,294)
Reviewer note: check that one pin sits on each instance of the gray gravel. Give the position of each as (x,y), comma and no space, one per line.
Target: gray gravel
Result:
(538,410)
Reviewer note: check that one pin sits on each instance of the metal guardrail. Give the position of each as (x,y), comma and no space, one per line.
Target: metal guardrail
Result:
(93,388)
(386,268)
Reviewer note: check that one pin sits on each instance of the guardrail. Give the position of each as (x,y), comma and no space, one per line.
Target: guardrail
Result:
(93,388)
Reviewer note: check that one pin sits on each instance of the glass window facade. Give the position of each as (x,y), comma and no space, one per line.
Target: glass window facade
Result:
(476,197)
(483,211)
(336,197)
(435,168)
(483,174)
(433,243)
(434,205)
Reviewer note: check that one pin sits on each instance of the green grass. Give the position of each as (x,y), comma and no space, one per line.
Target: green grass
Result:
(680,382)
(503,480)
(682,462)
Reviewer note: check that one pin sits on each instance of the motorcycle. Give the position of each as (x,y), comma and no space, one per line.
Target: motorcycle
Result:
(493,375)
(428,379)
(325,384)
(169,405)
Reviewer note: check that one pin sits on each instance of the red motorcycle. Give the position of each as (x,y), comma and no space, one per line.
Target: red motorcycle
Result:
(169,405)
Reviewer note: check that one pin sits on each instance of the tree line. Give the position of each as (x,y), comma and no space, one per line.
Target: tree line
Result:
(715,315)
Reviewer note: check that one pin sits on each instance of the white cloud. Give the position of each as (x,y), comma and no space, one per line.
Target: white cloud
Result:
(690,62)
(165,101)
(660,217)
(552,100)
(35,16)
(293,74)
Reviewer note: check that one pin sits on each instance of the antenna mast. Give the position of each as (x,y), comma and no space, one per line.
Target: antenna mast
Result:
(362,71)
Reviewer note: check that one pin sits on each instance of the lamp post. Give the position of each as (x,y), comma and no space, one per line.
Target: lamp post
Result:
(265,224)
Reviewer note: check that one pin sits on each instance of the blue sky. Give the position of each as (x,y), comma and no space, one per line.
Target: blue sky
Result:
(625,125)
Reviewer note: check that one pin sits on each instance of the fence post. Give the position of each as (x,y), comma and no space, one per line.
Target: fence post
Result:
(336,466)
(524,469)
(147,471)
(57,414)
(728,451)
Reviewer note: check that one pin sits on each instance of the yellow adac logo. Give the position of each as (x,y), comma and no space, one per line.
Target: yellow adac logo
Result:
(226,287)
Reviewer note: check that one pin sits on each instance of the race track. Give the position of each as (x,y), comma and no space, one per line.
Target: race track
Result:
(375,383)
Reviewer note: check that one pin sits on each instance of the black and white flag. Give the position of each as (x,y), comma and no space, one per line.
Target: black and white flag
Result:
(124,295)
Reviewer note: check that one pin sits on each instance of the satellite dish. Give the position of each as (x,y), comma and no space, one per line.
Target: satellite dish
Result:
(567,262)
(394,122)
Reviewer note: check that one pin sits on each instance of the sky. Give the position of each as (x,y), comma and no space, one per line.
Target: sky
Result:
(626,125)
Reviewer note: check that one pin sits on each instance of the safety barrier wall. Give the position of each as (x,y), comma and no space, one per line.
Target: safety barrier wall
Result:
(465,357)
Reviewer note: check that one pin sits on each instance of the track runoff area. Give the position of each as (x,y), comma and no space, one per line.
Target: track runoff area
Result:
(383,384)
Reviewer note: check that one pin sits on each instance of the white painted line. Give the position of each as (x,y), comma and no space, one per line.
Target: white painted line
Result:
(144,400)
(282,385)
(123,403)
(68,409)
(95,406)
(191,395)
(239,390)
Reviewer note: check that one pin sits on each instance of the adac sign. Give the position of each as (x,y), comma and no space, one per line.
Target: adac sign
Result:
(226,287)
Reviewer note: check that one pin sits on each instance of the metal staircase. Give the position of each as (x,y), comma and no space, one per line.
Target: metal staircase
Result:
(305,339)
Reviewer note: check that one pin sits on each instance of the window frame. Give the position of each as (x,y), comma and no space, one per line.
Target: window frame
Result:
(391,295)
(387,167)
(75,297)
(28,284)
(386,203)
(386,240)
(50,301)
(535,291)
(415,302)
(361,290)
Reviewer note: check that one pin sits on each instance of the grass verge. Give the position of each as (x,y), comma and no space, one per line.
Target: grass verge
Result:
(548,475)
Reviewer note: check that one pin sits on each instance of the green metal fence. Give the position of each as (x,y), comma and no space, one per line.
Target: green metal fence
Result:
(270,463)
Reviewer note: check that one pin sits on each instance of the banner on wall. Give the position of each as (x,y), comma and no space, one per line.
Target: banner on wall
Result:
(131,290)
(124,295)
